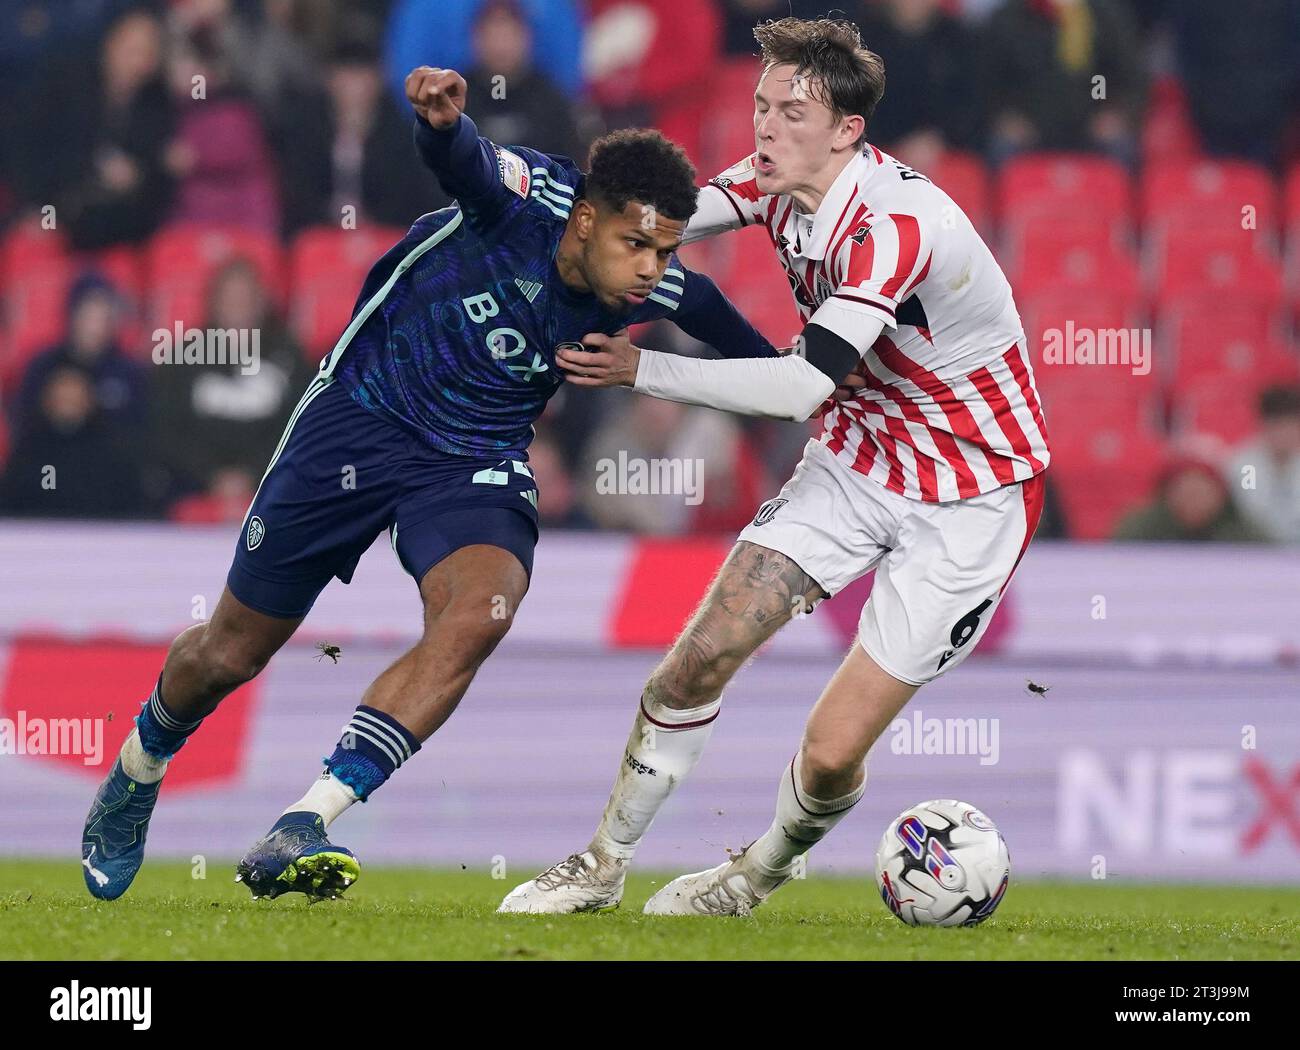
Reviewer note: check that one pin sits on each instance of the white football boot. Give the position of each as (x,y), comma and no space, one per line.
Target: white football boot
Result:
(580,883)
(728,889)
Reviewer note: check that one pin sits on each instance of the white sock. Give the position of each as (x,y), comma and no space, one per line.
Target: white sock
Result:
(138,764)
(801,822)
(662,749)
(327,796)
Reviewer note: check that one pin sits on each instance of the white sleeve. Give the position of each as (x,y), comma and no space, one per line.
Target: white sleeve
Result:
(714,213)
(786,387)
(727,202)
(875,271)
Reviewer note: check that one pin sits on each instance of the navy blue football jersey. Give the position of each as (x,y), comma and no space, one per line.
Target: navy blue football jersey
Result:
(454,334)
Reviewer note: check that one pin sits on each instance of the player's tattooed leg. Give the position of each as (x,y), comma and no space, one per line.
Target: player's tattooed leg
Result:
(755,593)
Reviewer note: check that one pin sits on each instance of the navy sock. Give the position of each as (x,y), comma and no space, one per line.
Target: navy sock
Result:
(373,746)
(162,733)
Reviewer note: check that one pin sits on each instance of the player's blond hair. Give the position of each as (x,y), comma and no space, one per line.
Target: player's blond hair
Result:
(842,74)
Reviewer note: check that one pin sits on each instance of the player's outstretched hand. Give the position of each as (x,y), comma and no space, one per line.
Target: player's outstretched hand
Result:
(437,95)
(609,360)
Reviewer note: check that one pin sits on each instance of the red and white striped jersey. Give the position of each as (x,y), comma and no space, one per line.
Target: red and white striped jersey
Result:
(950,409)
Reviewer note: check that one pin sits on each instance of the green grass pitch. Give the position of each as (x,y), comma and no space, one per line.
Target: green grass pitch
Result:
(410,913)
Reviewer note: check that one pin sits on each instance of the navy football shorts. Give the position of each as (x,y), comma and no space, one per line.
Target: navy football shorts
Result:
(340,476)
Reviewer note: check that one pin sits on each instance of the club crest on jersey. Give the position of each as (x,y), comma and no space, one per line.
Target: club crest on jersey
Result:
(768,510)
(576,347)
(256,532)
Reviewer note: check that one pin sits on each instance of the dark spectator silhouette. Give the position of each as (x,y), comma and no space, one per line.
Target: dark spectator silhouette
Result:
(437,33)
(511,101)
(1191,503)
(220,158)
(352,147)
(1240,65)
(70,459)
(103,132)
(89,343)
(216,426)
(930,69)
(1040,59)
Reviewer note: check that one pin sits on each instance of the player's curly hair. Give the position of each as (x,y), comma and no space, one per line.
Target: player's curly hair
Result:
(842,73)
(639,164)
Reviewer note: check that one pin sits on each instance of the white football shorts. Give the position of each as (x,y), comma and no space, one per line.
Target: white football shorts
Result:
(941,568)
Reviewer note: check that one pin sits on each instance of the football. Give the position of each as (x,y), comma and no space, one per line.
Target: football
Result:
(942,863)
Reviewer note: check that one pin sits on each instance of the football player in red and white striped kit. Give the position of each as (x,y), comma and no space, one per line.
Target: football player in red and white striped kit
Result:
(929,468)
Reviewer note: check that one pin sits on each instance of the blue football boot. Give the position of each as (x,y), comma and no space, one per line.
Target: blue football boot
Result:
(296,857)
(112,843)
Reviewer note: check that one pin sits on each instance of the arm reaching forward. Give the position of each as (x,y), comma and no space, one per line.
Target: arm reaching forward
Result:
(792,386)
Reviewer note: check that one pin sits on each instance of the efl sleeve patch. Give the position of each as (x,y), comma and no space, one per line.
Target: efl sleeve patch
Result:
(514,172)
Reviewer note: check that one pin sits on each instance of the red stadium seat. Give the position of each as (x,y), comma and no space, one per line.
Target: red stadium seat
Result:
(1088,343)
(35,271)
(1223,262)
(34,300)
(1105,459)
(1070,253)
(1209,193)
(181,260)
(327,266)
(1237,364)
(1061,185)
(29,241)
(1212,405)
(1219,379)
(1182,316)
(1200,335)
(965,179)
(1291,228)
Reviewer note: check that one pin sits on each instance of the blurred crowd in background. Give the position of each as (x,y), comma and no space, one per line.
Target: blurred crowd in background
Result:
(260,204)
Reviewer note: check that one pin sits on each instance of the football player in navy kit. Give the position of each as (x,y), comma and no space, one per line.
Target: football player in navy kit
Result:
(418,423)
